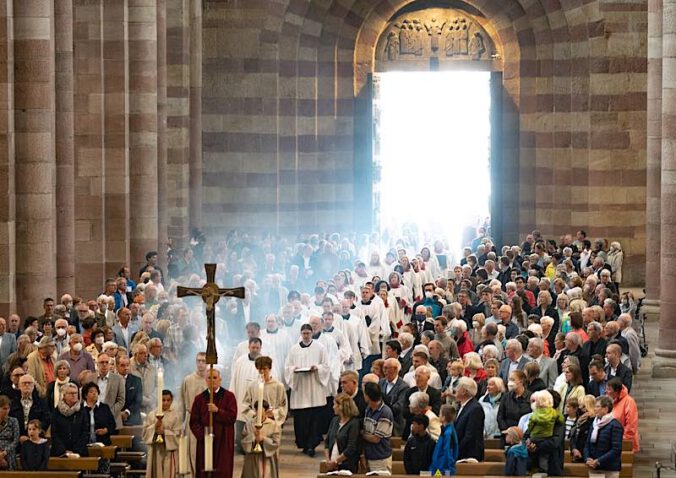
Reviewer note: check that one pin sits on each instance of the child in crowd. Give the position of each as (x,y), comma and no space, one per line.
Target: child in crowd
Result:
(35,450)
(542,421)
(419,446)
(456,369)
(516,454)
(572,409)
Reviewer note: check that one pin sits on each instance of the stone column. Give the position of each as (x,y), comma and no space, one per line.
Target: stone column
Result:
(116,134)
(143,129)
(195,211)
(665,360)
(65,132)
(654,155)
(34,117)
(7,164)
(162,124)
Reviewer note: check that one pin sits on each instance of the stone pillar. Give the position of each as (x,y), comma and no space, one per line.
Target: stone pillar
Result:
(665,359)
(143,129)
(34,116)
(195,211)
(116,134)
(65,132)
(654,155)
(162,124)
(7,165)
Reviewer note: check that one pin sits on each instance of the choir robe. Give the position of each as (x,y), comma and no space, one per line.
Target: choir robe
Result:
(274,393)
(308,390)
(163,457)
(344,349)
(413,280)
(354,328)
(293,329)
(333,356)
(192,386)
(224,431)
(379,325)
(244,373)
(261,465)
(277,345)
(398,300)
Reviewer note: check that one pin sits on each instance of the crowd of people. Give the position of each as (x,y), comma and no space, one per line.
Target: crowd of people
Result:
(532,344)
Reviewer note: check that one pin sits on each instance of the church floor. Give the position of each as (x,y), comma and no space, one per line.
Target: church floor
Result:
(657,425)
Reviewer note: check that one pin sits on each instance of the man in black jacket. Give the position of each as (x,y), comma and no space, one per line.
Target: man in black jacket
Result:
(596,345)
(616,368)
(598,379)
(133,398)
(406,355)
(419,446)
(38,408)
(469,422)
(574,348)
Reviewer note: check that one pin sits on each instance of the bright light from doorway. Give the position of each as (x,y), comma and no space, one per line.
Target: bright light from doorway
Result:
(434,149)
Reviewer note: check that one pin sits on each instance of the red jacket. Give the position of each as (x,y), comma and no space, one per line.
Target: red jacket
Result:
(626,413)
(465,344)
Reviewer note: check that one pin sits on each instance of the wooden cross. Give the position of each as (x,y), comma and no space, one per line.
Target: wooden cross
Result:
(210,294)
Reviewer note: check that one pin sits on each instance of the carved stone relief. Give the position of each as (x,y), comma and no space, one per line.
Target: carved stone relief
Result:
(447,34)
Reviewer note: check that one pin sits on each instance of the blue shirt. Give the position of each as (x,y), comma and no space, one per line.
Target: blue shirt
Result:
(378,422)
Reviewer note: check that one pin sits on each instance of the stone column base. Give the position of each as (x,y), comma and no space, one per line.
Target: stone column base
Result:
(664,364)
(651,309)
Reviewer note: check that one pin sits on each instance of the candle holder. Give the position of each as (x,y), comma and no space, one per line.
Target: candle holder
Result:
(257,447)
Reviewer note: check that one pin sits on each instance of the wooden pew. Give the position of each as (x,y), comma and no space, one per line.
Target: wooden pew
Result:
(396,442)
(134,430)
(85,463)
(122,442)
(107,452)
(488,468)
(494,444)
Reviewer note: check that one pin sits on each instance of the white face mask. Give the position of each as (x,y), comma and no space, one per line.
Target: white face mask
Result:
(475,324)
(60,332)
(511,385)
(103,307)
(77,347)
(99,340)
(428,294)
(533,406)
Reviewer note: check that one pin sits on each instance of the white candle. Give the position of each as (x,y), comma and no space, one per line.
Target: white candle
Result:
(183,455)
(259,417)
(160,387)
(208,451)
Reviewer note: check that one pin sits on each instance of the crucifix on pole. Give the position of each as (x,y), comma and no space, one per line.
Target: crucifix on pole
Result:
(210,294)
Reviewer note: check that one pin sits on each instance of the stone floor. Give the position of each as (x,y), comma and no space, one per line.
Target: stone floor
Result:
(656,400)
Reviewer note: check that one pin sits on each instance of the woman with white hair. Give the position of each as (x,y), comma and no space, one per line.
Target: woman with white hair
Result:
(490,352)
(474,369)
(490,402)
(615,260)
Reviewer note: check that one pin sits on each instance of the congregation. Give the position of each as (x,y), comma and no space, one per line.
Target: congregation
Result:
(360,338)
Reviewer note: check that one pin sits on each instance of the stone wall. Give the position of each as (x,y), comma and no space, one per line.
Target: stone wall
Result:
(283,79)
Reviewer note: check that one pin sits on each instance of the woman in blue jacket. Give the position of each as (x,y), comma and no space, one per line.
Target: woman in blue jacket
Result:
(446,450)
(603,451)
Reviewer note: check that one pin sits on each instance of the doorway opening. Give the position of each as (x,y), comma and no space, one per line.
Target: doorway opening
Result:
(431,154)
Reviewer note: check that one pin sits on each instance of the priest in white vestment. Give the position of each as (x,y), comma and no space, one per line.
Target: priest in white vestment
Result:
(253,330)
(243,374)
(307,372)
(276,342)
(344,349)
(354,327)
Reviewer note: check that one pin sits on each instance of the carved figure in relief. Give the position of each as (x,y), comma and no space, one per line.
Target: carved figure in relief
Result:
(477,47)
(434,30)
(392,47)
(457,37)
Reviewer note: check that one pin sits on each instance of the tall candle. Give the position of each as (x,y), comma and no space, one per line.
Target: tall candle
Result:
(259,417)
(160,387)
(183,467)
(208,451)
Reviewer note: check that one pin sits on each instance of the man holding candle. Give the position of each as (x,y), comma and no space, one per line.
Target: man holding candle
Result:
(219,446)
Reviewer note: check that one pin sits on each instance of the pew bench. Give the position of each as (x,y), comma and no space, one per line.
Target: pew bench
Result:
(40,474)
(492,469)
(493,455)
(122,442)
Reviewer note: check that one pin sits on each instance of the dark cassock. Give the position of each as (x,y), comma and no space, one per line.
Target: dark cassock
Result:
(224,430)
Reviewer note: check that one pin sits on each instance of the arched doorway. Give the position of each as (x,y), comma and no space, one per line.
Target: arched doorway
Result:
(453,42)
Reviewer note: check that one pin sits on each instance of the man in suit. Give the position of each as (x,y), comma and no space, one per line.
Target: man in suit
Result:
(394,393)
(548,369)
(514,359)
(574,348)
(111,386)
(598,379)
(349,384)
(133,393)
(422,378)
(7,342)
(406,355)
(469,422)
(505,274)
(123,330)
(616,368)
(420,322)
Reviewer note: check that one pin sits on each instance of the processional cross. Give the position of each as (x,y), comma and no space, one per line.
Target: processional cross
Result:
(210,293)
